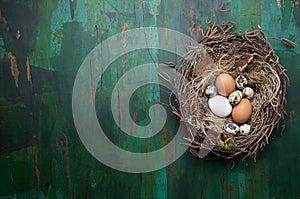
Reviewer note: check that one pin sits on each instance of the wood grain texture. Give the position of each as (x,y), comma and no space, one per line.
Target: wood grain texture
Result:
(41,155)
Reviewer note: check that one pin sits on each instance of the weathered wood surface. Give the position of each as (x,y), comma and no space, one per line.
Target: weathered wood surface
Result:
(41,155)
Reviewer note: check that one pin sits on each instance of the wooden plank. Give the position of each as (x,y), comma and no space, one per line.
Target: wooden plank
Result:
(50,161)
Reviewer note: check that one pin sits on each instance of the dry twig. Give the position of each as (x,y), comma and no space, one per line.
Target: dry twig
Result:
(221,50)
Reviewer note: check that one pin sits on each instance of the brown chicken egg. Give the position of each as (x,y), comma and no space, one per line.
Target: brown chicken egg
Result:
(242,112)
(225,84)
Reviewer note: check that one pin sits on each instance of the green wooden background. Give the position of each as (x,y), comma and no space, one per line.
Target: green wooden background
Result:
(41,155)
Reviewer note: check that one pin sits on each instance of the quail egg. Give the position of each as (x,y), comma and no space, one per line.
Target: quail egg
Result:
(235,97)
(248,92)
(241,81)
(202,104)
(231,128)
(245,129)
(211,91)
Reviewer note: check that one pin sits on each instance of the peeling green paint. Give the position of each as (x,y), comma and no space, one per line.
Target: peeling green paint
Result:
(61,44)
(41,55)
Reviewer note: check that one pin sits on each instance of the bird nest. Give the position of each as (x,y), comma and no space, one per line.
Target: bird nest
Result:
(251,62)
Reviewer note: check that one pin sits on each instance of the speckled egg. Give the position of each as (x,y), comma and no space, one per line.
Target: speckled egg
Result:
(231,128)
(241,81)
(245,129)
(235,97)
(203,104)
(248,92)
(225,84)
(211,91)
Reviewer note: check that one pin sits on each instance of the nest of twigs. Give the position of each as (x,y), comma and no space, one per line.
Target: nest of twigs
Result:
(222,50)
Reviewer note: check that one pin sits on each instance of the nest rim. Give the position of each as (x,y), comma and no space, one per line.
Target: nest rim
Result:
(270,112)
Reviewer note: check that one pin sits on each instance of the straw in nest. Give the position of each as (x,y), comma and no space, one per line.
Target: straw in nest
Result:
(223,51)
